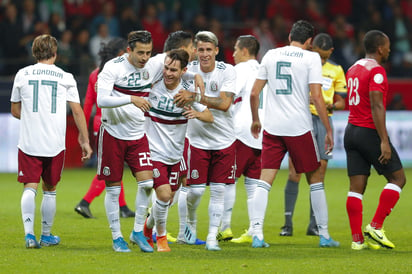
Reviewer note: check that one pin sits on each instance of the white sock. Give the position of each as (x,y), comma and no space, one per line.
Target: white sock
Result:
(320,208)
(175,197)
(182,210)
(159,211)
(216,206)
(48,211)
(194,196)
(111,204)
(151,220)
(260,201)
(28,208)
(250,186)
(144,188)
(229,202)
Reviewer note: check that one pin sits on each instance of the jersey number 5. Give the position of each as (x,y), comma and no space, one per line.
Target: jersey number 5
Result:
(284,76)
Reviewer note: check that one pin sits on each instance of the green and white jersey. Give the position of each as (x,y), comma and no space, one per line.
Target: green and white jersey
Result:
(220,134)
(289,70)
(119,78)
(43,91)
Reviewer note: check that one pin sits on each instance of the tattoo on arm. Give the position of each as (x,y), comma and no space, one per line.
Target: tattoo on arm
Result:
(216,102)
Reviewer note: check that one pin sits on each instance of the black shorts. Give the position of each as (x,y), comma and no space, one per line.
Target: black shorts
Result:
(363,148)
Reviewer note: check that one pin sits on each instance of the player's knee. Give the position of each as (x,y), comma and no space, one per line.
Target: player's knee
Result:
(145,185)
(196,192)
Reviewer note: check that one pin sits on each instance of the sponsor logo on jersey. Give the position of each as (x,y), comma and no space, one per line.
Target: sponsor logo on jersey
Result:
(145,75)
(21,173)
(156,173)
(213,86)
(195,174)
(106,171)
(378,78)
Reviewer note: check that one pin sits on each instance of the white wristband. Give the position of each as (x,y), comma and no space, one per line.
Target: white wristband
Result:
(198,97)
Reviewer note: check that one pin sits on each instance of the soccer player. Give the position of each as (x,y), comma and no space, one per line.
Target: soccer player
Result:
(166,130)
(113,48)
(333,91)
(39,98)
(293,73)
(212,148)
(247,148)
(367,143)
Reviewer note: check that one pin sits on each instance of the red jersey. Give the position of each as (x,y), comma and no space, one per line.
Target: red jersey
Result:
(364,76)
(91,100)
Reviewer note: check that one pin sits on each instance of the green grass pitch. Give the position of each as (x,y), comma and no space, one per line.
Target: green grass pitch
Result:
(86,243)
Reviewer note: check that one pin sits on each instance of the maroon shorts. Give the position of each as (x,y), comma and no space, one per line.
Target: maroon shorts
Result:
(302,149)
(31,168)
(248,161)
(217,166)
(164,174)
(184,161)
(113,152)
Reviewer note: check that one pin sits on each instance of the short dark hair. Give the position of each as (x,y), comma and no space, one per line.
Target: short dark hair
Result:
(140,36)
(179,55)
(177,40)
(323,41)
(250,43)
(372,40)
(301,31)
(44,47)
(111,49)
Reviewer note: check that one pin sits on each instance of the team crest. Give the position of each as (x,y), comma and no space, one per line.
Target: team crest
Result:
(213,86)
(195,174)
(156,173)
(106,171)
(145,75)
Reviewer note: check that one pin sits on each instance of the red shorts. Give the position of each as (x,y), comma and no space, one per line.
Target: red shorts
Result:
(113,152)
(164,174)
(217,166)
(302,149)
(248,161)
(31,168)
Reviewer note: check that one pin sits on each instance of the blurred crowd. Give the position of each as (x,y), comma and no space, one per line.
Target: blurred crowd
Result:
(82,25)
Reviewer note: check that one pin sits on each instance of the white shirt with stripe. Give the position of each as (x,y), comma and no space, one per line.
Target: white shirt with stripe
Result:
(43,91)
(219,134)
(289,70)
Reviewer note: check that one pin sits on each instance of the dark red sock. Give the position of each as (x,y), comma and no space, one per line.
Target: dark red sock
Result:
(387,201)
(122,201)
(96,188)
(354,208)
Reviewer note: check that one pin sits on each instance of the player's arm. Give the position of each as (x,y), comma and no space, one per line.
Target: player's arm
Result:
(254,106)
(80,121)
(223,102)
(16,109)
(198,80)
(338,103)
(379,119)
(204,116)
(319,103)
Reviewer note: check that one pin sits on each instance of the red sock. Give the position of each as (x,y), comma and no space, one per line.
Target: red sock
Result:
(354,208)
(96,188)
(122,201)
(387,201)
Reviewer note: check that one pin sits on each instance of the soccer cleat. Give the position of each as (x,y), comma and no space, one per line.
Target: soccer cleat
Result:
(286,231)
(225,235)
(125,212)
(256,243)
(120,245)
(31,241)
(312,231)
(170,238)
(378,235)
(183,242)
(212,246)
(139,239)
(364,245)
(49,240)
(84,211)
(244,238)
(323,242)
(189,235)
(162,244)
(148,233)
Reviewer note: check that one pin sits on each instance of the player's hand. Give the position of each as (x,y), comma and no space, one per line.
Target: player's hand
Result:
(328,143)
(141,103)
(86,151)
(386,153)
(199,84)
(255,129)
(190,113)
(184,98)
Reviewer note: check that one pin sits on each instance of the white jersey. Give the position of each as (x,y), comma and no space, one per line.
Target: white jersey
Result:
(219,134)
(246,73)
(123,79)
(289,70)
(166,125)
(43,91)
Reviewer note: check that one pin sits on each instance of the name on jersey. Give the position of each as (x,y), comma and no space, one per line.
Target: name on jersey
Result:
(297,54)
(46,72)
